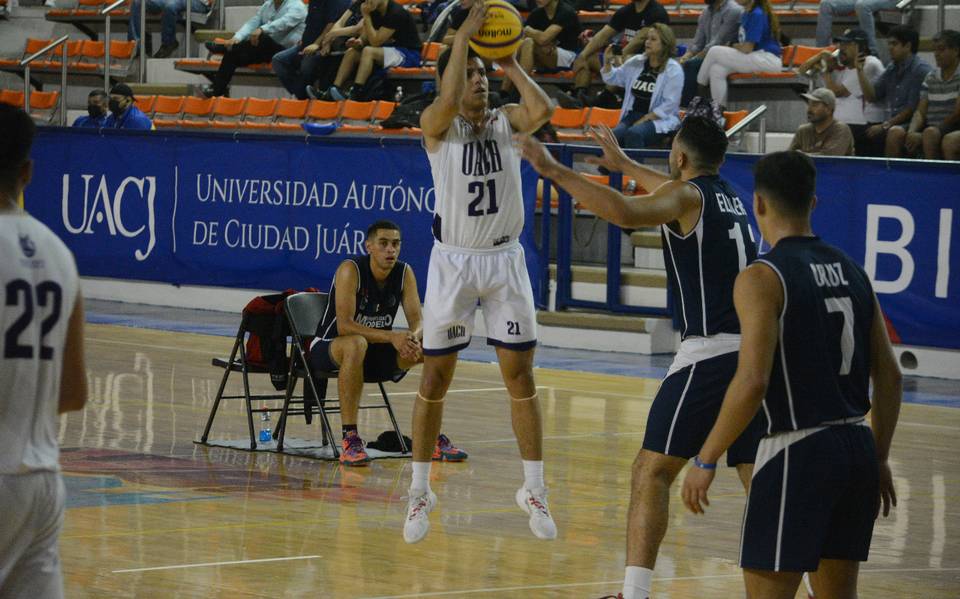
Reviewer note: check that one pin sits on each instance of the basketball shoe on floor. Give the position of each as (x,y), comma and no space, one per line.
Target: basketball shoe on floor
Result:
(445,451)
(417,524)
(352,453)
(534,503)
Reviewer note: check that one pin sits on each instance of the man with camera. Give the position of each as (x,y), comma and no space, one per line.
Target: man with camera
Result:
(837,70)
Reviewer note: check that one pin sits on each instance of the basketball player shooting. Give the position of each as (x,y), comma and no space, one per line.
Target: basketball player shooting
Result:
(477,257)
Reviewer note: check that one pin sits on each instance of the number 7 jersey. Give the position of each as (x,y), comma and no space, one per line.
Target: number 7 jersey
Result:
(476,178)
(703,264)
(38,290)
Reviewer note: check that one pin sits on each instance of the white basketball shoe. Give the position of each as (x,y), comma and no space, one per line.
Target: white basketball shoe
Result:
(417,524)
(534,503)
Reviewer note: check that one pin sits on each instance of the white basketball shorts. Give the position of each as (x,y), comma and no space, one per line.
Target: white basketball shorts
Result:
(460,279)
(32,507)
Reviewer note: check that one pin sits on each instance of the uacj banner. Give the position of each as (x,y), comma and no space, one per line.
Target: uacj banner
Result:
(898,219)
(262,212)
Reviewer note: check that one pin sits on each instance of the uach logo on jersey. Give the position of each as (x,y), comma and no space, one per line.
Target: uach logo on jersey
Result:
(481,158)
(27,245)
(99,206)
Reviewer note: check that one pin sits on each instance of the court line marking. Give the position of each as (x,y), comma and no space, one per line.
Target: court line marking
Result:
(620,582)
(203,565)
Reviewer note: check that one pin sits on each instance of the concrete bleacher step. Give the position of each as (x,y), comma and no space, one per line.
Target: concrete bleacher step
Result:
(209,35)
(162,89)
(582,329)
(638,286)
(647,249)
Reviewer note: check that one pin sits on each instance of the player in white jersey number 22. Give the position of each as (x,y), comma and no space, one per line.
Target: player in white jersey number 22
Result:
(477,258)
(41,375)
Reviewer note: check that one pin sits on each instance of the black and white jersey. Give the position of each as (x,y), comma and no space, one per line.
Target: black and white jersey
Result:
(703,264)
(476,176)
(38,291)
(376,305)
(821,368)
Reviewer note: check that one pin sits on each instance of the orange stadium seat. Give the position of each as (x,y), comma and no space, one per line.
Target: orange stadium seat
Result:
(196,112)
(290,113)
(382,112)
(11,97)
(569,123)
(608,116)
(227,112)
(166,110)
(259,113)
(323,112)
(356,117)
(732,118)
(145,104)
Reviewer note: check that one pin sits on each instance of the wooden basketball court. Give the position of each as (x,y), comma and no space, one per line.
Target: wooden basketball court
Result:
(152,514)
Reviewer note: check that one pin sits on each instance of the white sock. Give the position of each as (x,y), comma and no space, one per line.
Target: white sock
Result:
(533,474)
(421,477)
(636,582)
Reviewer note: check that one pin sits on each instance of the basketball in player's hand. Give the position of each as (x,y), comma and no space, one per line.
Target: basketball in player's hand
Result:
(501,32)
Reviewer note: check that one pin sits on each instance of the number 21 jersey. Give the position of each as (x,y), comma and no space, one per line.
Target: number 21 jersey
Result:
(476,177)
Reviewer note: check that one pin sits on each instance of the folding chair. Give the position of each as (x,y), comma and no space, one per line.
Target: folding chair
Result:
(304,312)
(239,362)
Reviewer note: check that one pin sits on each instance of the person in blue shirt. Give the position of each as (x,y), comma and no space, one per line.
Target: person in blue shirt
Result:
(124,114)
(97,102)
(757,50)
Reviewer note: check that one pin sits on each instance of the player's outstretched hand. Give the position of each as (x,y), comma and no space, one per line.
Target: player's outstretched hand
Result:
(695,487)
(888,495)
(475,18)
(536,154)
(613,158)
(508,62)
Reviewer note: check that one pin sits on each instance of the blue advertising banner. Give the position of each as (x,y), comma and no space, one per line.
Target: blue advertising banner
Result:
(897,218)
(263,212)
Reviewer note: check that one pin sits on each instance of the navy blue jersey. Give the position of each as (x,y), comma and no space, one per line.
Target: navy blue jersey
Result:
(821,369)
(703,264)
(376,305)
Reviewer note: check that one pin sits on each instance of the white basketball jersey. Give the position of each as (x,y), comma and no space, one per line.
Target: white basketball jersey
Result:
(38,290)
(476,179)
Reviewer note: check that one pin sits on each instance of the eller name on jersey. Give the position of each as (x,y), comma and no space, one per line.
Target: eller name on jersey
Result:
(477,184)
(703,264)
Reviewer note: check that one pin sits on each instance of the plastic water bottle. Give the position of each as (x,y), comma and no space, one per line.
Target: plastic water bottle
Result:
(265,432)
(397,97)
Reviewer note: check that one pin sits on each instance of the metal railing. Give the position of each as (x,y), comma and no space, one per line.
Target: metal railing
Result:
(25,63)
(748,120)
(142,49)
(941,15)
(186,35)
(565,218)
(106,41)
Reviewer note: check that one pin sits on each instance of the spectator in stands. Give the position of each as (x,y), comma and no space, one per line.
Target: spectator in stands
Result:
(823,135)
(333,44)
(389,39)
(297,67)
(717,25)
(124,113)
(171,11)
(552,39)
(278,25)
(864,9)
(97,104)
(935,125)
(898,87)
(457,17)
(627,21)
(653,82)
(758,50)
(839,75)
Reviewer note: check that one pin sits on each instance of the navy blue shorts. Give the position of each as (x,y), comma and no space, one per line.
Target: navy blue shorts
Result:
(379,363)
(686,407)
(814,496)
